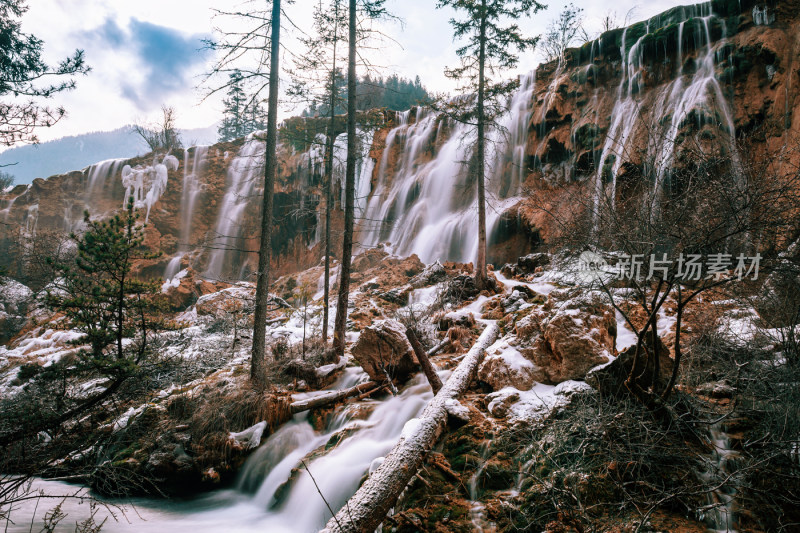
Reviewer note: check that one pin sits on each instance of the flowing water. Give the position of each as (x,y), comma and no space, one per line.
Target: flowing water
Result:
(253,505)
(719,515)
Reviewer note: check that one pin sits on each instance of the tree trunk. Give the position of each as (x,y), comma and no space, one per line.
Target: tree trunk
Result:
(424,362)
(369,505)
(480,265)
(329,181)
(350,191)
(333,397)
(259,356)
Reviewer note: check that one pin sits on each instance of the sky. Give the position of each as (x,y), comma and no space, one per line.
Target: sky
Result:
(149,53)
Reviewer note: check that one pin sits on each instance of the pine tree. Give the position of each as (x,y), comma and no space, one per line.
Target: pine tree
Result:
(371,9)
(22,71)
(242,114)
(488,50)
(102,299)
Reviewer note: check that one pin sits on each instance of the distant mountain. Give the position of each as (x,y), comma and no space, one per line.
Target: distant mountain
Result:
(79,151)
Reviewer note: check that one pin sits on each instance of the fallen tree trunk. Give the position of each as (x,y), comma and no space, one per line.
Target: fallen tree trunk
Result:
(436,349)
(326,399)
(368,507)
(424,362)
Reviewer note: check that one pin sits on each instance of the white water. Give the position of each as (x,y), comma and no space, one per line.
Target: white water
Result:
(337,474)
(699,91)
(244,174)
(720,516)
(426,203)
(192,187)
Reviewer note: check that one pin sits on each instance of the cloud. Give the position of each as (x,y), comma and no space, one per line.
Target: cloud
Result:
(166,57)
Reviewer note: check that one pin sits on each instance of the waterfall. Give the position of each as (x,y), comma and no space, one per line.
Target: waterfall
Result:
(191,190)
(146,184)
(424,201)
(698,91)
(244,173)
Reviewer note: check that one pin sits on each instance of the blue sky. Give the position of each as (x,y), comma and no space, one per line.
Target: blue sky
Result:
(147,53)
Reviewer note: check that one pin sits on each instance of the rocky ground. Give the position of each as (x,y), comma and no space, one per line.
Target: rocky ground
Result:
(543,444)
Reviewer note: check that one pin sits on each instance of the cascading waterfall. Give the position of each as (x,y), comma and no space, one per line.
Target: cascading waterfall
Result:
(698,91)
(192,187)
(428,207)
(243,175)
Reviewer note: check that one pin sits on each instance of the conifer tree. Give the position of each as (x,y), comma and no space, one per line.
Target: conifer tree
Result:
(488,49)
(24,79)
(370,9)
(102,299)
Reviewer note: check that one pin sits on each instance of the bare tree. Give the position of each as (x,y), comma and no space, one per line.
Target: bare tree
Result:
(715,222)
(563,32)
(163,135)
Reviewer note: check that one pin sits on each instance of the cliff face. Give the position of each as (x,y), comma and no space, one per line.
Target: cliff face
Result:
(703,74)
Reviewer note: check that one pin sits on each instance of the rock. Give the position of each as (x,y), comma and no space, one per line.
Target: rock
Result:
(717,389)
(505,366)
(529,263)
(610,378)
(568,338)
(383,349)
(398,295)
(461,288)
(500,401)
(186,288)
(433,273)
(239,299)
(14,302)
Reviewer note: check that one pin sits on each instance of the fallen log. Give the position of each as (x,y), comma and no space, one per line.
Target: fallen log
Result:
(368,507)
(436,349)
(424,362)
(335,396)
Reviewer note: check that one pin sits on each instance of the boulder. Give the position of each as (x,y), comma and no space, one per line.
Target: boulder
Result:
(610,379)
(505,366)
(571,334)
(529,263)
(433,273)
(383,350)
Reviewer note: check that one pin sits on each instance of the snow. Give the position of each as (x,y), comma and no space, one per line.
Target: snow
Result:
(251,437)
(410,428)
(625,336)
(175,281)
(512,358)
(537,403)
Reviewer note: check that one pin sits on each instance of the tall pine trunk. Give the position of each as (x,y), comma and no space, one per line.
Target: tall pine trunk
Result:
(329,182)
(480,266)
(350,190)
(258,373)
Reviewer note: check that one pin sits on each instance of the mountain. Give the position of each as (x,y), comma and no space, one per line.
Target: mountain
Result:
(79,151)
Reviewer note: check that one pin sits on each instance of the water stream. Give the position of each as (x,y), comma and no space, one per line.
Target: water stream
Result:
(253,506)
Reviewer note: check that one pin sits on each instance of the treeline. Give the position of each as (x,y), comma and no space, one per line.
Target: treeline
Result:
(393,92)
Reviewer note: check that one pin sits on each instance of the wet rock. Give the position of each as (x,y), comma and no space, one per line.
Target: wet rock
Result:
(383,350)
(529,263)
(717,389)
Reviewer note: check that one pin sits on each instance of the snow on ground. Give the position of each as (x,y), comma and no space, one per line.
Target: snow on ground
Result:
(625,336)
(535,404)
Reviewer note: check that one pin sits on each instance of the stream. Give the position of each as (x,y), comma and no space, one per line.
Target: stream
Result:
(252,504)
